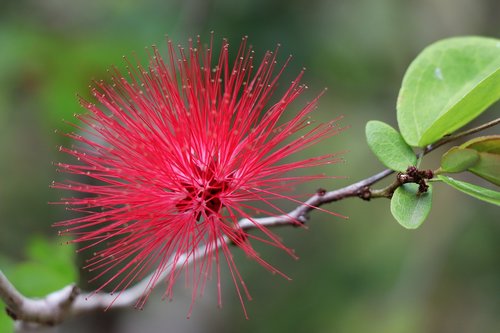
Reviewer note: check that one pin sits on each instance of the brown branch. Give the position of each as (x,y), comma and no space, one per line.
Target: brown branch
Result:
(67,302)
(59,305)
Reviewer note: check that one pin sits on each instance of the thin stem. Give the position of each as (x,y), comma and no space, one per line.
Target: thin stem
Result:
(385,192)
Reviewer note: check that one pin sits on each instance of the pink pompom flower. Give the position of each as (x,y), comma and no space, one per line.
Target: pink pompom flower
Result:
(175,154)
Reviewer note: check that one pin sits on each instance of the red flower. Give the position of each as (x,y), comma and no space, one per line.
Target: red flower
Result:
(178,152)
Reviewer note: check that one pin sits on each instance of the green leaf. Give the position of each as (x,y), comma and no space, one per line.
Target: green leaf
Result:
(389,146)
(457,159)
(488,165)
(475,191)
(450,83)
(409,207)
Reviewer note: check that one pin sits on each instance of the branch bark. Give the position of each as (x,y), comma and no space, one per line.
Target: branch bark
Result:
(69,301)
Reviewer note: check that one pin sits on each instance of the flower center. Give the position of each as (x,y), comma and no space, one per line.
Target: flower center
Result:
(203,198)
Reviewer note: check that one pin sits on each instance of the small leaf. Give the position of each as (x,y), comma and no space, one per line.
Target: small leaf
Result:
(409,207)
(450,83)
(488,165)
(457,159)
(389,146)
(475,191)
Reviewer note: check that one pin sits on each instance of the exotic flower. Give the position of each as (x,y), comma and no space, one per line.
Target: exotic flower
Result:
(175,154)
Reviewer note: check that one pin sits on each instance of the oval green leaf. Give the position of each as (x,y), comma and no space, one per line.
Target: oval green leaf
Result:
(488,165)
(457,159)
(409,207)
(475,191)
(389,146)
(450,83)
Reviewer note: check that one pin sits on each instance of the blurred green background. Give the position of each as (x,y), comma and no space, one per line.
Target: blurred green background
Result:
(366,274)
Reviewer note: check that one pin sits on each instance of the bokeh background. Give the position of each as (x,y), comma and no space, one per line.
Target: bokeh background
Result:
(366,274)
